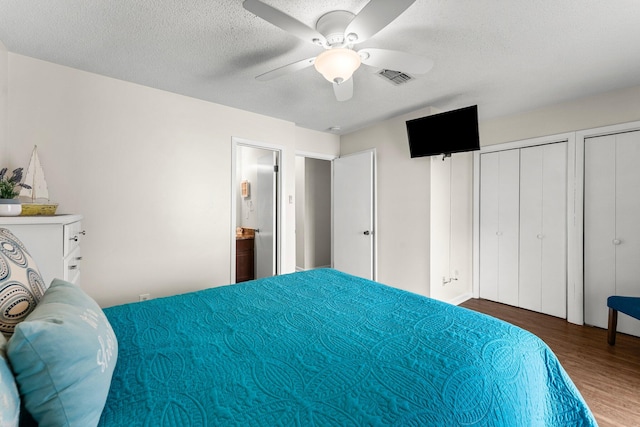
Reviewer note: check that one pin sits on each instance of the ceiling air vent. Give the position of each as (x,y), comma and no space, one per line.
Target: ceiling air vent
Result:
(395,77)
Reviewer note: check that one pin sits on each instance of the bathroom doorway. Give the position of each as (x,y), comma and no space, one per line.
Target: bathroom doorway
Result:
(255,219)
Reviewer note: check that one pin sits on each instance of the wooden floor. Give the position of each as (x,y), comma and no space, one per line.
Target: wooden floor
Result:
(608,377)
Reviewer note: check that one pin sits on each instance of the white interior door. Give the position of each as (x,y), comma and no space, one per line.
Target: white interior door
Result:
(509,230)
(554,231)
(531,200)
(265,240)
(627,216)
(543,274)
(489,226)
(612,234)
(354,214)
(499,226)
(599,227)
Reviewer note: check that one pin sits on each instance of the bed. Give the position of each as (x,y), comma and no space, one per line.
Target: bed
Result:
(323,348)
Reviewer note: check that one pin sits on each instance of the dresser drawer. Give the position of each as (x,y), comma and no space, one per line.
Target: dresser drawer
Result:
(71,266)
(72,234)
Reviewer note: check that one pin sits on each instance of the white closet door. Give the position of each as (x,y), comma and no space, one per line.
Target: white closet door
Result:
(612,233)
(599,227)
(542,273)
(509,227)
(489,215)
(554,230)
(627,274)
(530,279)
(499,226)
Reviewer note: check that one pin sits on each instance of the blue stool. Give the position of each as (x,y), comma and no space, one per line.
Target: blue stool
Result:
(628,305)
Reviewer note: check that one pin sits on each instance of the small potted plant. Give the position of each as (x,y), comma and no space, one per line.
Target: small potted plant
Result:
(9,205)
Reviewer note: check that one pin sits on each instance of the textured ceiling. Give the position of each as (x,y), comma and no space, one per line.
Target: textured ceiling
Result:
(506,56)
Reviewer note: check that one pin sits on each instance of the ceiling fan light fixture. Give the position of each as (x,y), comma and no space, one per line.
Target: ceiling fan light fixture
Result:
(338,64)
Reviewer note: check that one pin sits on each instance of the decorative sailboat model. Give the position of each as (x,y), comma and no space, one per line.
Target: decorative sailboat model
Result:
(35,200)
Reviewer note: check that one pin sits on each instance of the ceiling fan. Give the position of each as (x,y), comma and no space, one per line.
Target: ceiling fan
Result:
(337,32)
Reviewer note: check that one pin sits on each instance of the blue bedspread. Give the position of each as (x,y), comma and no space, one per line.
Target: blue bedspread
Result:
(323,348)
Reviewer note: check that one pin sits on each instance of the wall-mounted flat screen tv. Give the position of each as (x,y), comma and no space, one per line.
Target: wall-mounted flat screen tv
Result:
(444,133)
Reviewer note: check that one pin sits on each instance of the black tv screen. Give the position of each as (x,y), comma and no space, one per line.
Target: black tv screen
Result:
(444,133)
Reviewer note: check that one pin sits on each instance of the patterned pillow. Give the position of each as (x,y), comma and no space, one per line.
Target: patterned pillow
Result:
(63,356)
(21,285)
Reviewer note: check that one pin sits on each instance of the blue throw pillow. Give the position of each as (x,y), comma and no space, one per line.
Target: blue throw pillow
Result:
(63,355)
(9,399)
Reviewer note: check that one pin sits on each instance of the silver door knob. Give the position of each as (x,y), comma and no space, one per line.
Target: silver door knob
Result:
(366,233)
(617,241)
(540,236)
(498,233)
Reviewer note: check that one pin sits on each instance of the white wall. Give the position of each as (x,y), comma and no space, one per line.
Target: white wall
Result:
(321,143)
(149,170)
(609,108)
(313,213)
(452,227)
(403,202)
(317,235)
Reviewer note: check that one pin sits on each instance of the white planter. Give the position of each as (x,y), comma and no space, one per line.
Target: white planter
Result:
(10,207)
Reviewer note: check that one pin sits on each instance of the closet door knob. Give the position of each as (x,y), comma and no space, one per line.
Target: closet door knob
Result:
(617,241)
(540,236)
(498,233)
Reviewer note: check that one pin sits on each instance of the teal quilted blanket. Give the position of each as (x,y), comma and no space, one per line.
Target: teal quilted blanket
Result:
(322,348)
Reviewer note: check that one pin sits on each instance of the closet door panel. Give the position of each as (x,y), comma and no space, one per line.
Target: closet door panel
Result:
(627,273)
(600,227)
(543,183)
(553,235)
(509,220)
(489,214)
(531,200)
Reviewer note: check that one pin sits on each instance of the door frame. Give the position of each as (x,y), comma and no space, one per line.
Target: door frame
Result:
(574,230)
(278,205)
(575,207)
(329,158)
(577,261)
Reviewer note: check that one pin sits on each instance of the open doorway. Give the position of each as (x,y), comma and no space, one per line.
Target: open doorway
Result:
(313,213)
(255,211)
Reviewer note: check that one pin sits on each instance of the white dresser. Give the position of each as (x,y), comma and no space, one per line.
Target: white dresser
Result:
(52,241)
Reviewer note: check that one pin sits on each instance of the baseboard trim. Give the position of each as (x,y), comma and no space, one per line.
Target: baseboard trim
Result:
(313,268)
(461,298)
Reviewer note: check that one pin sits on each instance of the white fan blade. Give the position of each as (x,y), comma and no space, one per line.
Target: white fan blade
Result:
(284,21)
(376,15)
(286,69)
(395,60)
(344,90)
